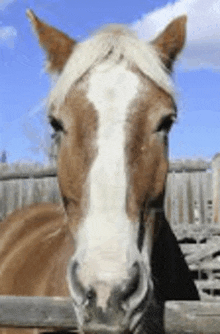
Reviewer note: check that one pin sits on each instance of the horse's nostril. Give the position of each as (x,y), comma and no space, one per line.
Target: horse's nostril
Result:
(90,294)
(76,288)
(132,284)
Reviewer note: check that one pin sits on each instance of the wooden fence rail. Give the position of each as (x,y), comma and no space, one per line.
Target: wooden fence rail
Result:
(37,171)
(37,312)
(58,314)
(29,174)
(192,192)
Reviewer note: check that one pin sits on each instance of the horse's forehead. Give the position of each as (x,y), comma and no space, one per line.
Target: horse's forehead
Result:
(119,85)
(112,87)
(109,94)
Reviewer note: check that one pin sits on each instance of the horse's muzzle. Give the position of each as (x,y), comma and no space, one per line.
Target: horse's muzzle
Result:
(95,319)
(114,317)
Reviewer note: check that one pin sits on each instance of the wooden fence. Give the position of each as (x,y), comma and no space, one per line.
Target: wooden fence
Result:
(191,205)
(56,313)
(192,193)
(24,184)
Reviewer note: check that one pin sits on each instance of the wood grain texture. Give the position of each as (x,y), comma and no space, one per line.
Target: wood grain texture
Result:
(192,317)
(57,313)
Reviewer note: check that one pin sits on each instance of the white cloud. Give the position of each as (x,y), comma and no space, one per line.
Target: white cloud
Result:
(7,35)
(5,3)
(203,30)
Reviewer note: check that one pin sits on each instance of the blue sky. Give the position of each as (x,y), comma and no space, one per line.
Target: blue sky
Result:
(24,85)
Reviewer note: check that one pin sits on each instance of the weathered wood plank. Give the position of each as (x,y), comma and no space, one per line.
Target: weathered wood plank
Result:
(189,165)
(178,198)
(2,204)
(206,265)
(216,188)
(172,198)
(28,174)
(196,232)
(208,186)
(188,249)
(168,203)
(38,312)
(208,284)
(24,171)
(192,317)
(210,248)
(57,313)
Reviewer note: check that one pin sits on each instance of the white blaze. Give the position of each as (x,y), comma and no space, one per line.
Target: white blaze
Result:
(106,234)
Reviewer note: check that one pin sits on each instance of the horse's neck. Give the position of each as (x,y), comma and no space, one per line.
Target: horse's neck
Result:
(35,252)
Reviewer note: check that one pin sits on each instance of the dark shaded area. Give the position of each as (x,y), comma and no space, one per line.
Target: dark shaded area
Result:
(171,276)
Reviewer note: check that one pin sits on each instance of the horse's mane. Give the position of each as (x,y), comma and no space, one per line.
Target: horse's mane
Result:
(114,42)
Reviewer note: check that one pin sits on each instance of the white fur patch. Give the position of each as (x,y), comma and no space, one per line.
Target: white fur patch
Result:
(113,41)
(107,238)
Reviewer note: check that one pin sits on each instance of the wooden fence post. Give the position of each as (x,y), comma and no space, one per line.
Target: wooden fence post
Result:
(216,188)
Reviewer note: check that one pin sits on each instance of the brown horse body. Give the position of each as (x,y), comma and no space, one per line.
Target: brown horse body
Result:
(35,249)
(109,246)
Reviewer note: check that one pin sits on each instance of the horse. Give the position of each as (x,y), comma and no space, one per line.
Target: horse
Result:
(108,246)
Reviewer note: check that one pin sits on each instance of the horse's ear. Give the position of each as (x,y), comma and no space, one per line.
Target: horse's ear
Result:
(58,46)
(171,41)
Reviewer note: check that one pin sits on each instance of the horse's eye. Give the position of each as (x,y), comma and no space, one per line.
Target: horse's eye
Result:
(56,124)
(166,124)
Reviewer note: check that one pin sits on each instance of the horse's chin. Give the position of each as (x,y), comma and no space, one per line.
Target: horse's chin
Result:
(122,326)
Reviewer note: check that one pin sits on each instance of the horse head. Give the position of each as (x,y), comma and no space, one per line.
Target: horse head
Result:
(112,107)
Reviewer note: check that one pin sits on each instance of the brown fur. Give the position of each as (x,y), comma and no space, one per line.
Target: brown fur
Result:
(171,42)
(77,151)
(57,45)
(147,161)
(24,268)
(26,236)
